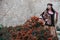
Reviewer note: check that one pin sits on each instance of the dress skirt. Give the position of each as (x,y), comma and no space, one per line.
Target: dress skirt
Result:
(53,32)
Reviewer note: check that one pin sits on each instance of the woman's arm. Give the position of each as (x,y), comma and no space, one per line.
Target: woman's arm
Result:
(56,17)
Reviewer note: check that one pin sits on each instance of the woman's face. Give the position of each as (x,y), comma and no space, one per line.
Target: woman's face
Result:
(49,6)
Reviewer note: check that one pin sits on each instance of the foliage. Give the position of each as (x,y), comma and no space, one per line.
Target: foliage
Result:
(32,29)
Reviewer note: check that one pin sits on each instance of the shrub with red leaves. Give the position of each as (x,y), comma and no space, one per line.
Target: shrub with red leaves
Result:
(32,29)
(50,38)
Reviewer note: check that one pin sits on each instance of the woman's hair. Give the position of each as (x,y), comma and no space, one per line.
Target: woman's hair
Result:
(51,7)
(50,4)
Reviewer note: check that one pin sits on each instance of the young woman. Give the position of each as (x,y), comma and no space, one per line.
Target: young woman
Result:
(50,16)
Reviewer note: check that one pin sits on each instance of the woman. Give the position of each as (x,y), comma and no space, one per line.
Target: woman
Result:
(50,16)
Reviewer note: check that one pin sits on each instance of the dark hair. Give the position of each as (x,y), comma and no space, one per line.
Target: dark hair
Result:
(50,4)
(51,7)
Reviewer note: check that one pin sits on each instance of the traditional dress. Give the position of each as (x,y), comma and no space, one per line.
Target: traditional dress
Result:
(50,19)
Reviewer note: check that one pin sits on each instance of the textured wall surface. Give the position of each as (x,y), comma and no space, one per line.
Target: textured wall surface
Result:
(15,12)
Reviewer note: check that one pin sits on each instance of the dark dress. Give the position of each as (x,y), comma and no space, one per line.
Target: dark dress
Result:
(50,24)
(52,20)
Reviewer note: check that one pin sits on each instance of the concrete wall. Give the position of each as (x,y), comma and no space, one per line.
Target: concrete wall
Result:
(15,12)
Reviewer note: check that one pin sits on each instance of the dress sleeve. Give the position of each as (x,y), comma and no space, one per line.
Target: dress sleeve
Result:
(56,16)
(42,15)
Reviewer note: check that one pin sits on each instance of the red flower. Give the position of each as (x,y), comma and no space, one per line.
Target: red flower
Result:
(34,38)
(41,21)
(30,31)
(50,38)
(34,18)
(33,24)
(38,29)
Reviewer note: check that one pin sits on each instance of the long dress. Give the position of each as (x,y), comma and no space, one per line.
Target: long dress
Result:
(50,24)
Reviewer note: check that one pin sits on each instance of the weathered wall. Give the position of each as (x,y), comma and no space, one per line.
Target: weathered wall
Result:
(15,12)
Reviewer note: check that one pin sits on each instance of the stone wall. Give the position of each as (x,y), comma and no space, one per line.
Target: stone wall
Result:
(15,12)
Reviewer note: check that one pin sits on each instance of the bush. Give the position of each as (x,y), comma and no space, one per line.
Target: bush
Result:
(32,29)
